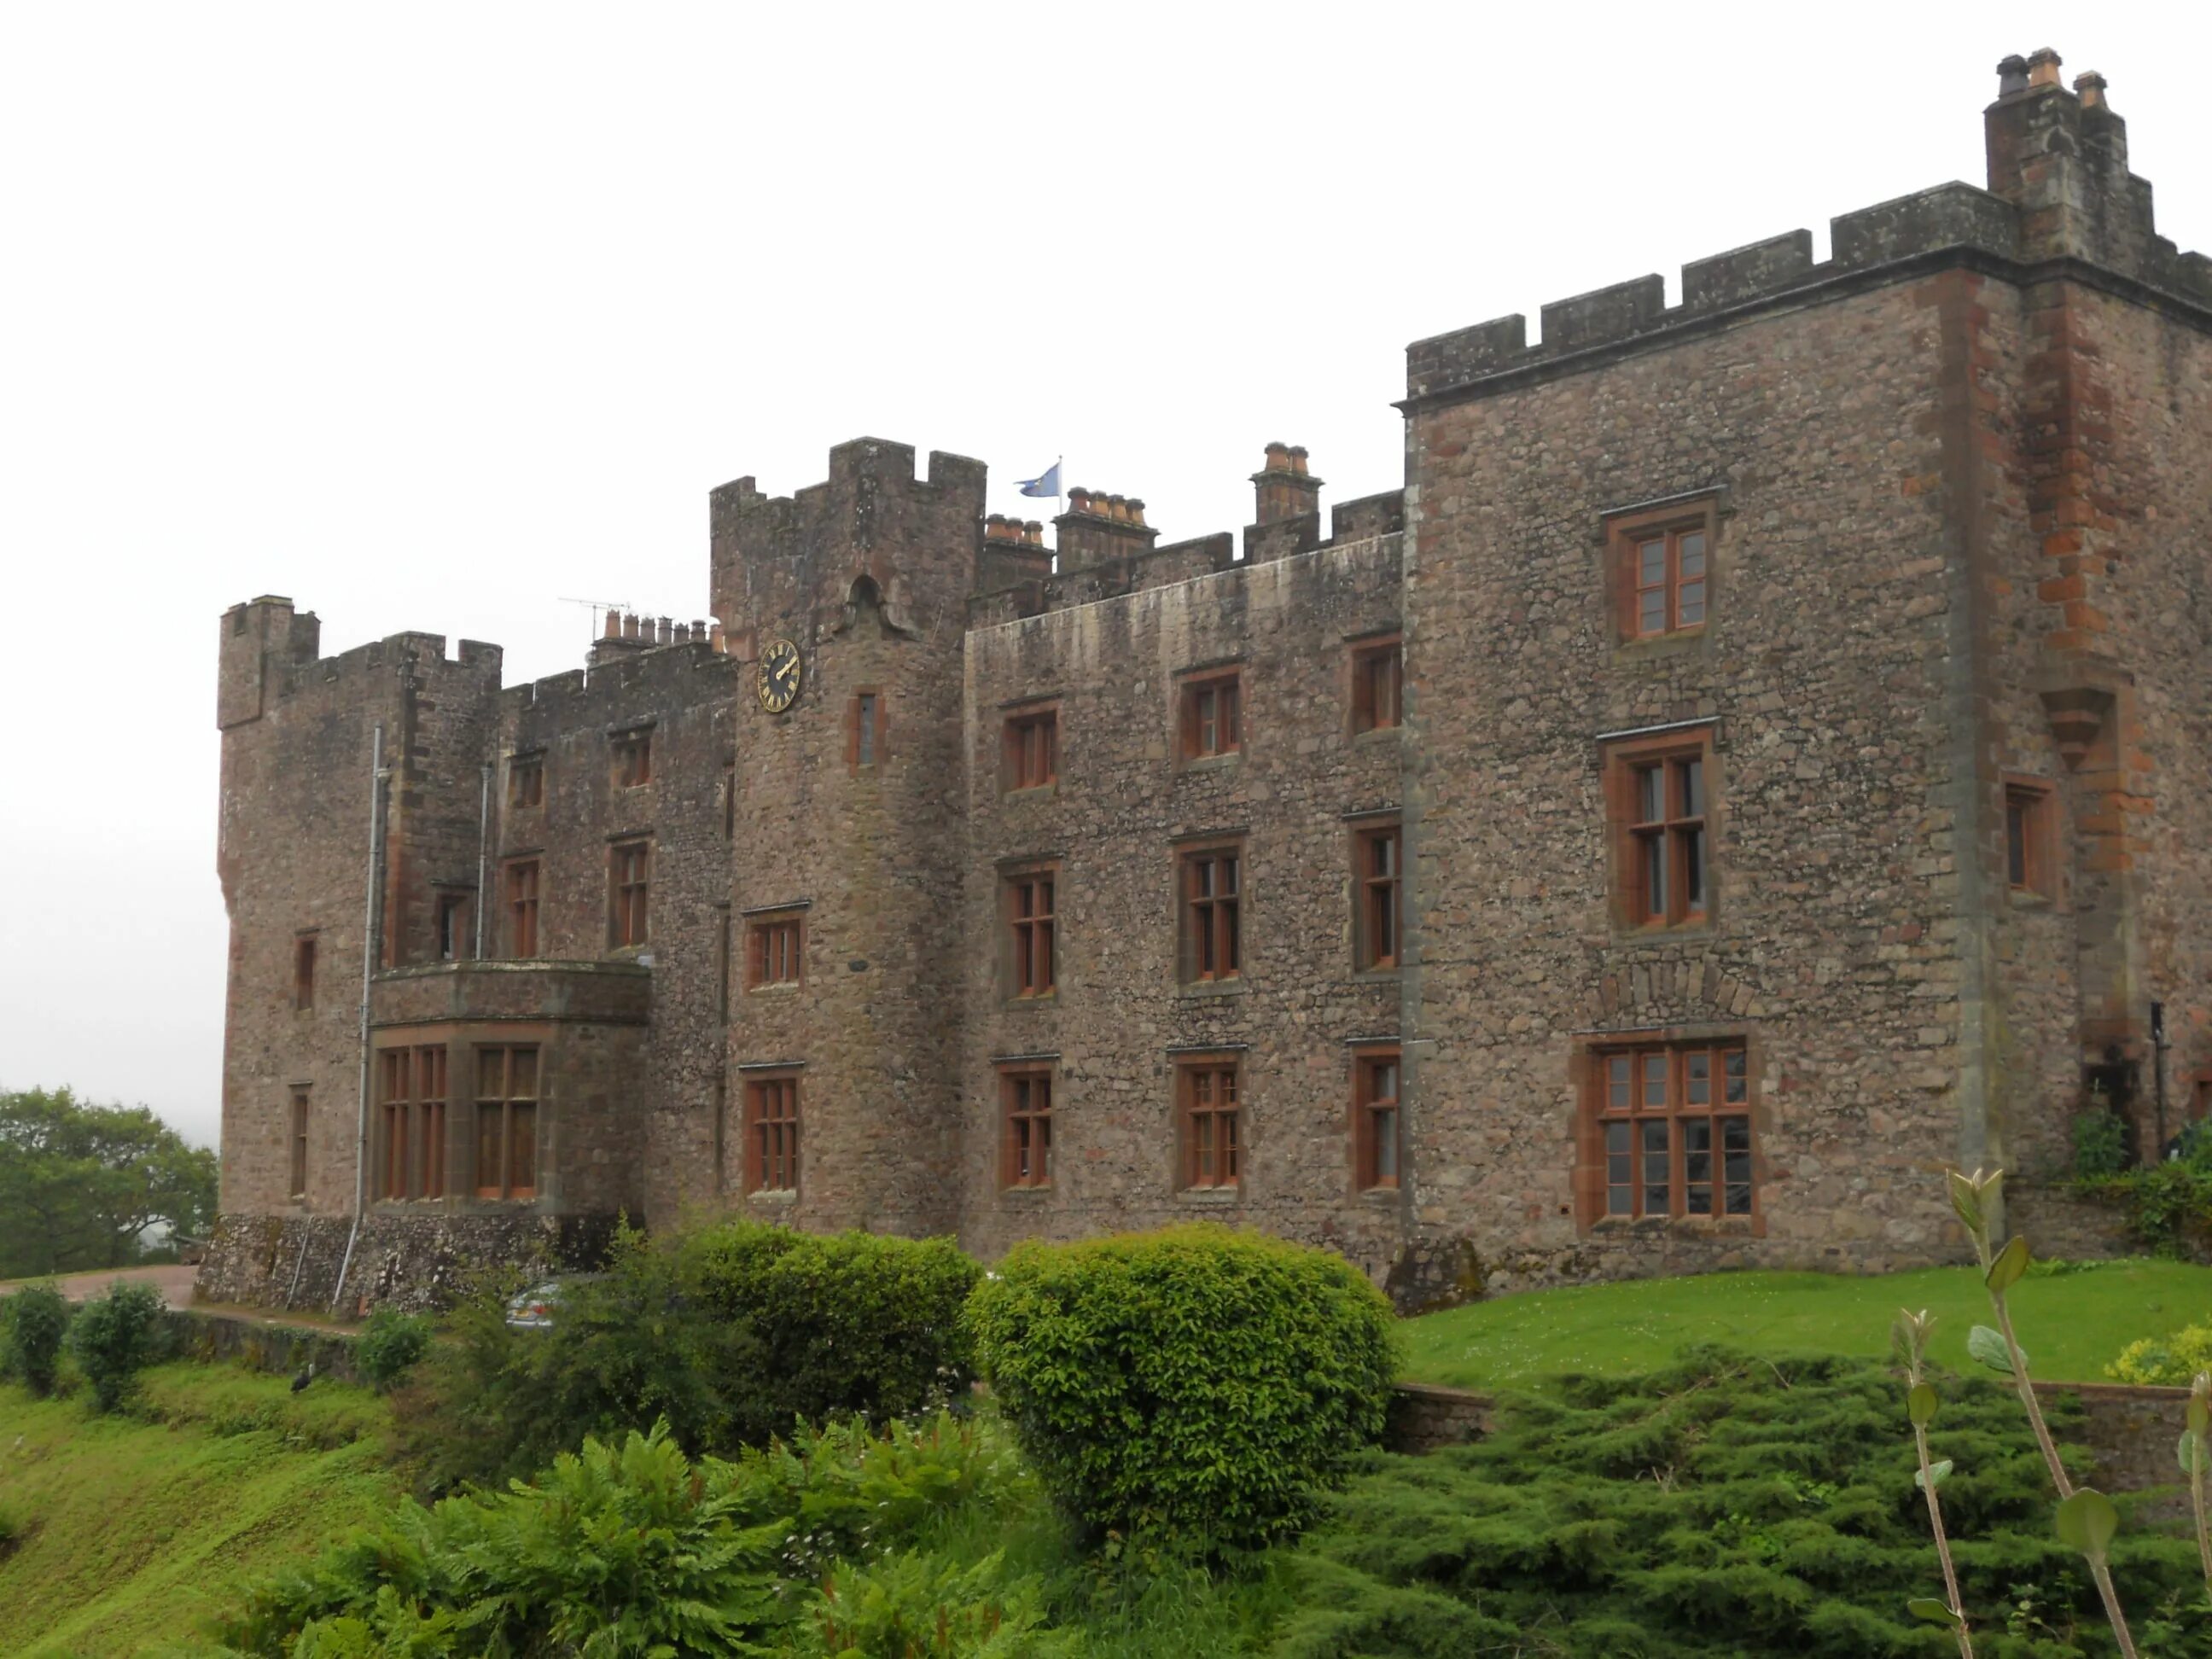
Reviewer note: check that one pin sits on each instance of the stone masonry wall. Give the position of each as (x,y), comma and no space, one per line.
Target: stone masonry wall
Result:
(1113,823)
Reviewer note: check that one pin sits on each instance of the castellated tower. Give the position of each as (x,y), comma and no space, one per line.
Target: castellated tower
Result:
(849,824)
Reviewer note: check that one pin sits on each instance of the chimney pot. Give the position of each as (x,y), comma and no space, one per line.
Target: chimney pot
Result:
(1136,511)
(667,631)
(2012,76)
(2091,85)
(1298,459)
(699,631)
(1033,532)
(2043,68)
(1279,457)
(630,625)
(613,628)
(1078,500)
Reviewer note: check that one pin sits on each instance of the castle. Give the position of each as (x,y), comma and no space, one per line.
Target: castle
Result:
(1746,767)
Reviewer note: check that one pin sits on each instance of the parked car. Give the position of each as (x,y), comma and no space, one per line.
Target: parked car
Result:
(534,1309)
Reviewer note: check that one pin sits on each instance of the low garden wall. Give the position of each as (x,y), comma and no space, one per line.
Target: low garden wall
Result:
(203,1334)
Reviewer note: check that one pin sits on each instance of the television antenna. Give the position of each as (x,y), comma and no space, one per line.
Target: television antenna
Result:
(598,606)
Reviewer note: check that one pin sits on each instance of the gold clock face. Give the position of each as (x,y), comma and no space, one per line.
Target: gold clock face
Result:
(775,677)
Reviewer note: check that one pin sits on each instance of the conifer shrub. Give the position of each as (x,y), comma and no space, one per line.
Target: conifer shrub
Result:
(389,1345)
(115,1337)
(33,1323)
(1198,1384)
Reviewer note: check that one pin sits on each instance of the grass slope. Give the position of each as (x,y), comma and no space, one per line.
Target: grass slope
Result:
(2071,1323)
(133,1531)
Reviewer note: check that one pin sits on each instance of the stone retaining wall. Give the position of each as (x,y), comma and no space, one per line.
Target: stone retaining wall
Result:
(417,1263)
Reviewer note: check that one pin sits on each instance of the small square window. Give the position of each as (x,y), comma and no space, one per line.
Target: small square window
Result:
(1032,748)
(775,949)
(1377,686)
(525,782)
(1212,715)
(1662,565)
(633,757)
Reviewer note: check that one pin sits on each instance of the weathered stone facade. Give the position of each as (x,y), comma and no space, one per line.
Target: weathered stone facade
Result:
(1952,491)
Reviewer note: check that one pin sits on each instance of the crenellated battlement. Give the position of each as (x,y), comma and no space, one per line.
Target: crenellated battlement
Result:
(655,670)
(2059,191)
(271,652)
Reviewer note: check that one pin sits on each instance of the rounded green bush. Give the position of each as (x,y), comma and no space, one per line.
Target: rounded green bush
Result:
(33,1322)
(389,1345)
(115,1337)
(1196,1383)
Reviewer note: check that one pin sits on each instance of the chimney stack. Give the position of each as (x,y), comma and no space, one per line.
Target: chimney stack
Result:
(1285,489)
(1097,527)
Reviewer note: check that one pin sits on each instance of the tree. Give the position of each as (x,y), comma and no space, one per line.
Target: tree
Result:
(81,1183)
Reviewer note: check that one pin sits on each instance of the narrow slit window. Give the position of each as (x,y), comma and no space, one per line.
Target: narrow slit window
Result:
(1026,1096)
(1376,852)
(1374,1103)
(298,1141)
(303,971)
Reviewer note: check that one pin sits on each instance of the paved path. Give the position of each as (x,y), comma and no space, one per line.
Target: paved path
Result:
(174,1281)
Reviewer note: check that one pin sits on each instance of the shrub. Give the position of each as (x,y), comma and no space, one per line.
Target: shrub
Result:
(33,1322)
(2100,1144)
(389,1345)
(630,1547)
(1197,1384)
(2169,1204)
(731,1333)
(114,1337)
(2172,1361)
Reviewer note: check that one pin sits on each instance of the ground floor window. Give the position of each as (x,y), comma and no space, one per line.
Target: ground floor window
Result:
(1025,1094)
(411,1105)
(507,1122)
(1674,1128)
(772,1134)
(1209,1094)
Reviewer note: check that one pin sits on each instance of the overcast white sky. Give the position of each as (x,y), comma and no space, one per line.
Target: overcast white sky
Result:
(431,315)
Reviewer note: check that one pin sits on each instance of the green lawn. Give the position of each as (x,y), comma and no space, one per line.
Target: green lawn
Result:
(131,1530)
(2071,1323)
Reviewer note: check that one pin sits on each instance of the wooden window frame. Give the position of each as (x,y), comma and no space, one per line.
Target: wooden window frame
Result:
(2034,873)
(1031,932)
(1685,839)
(1671,527)
(395,1100)
(1212,939)
(525,782)
(1378,1132)
(1378,913)
(1211,713)
(520,882)
(413,1092)
(631,753)
(296,1139)
(1210,1140)
(629,894)
(1025,1102)
(511,1103)
(1029,749)
(1378,685)
(776,950)
(1620,1111)
(773,1127)
(304,948)
(867,730)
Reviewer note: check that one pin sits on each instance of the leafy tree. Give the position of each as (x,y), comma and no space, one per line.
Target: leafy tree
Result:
(81,1183)
(115,1338)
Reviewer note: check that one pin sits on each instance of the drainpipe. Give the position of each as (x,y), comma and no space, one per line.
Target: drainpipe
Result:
(484,853)
(2158,1048)
(369,946)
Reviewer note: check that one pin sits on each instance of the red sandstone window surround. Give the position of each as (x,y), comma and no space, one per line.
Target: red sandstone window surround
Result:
(507,1122)
(1025,1097)
(1661,564)
(1375,1144)
(411,1096)
(298,1139)
(1031,907)
(772,1134)
(630,869)
(1212,713)
(632,757)
(2031,866)
(1031,748)
(1669,1131)
(775,949)
(866,737)
(1659,793)
(1208,1094)
(1377,685)
(525,782)
(1375,854)
(522,907)
(1211,883)
(303,971)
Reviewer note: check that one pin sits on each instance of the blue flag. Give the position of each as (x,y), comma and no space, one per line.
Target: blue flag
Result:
(1045,484)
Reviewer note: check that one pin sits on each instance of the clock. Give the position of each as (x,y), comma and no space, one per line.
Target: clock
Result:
(775,677)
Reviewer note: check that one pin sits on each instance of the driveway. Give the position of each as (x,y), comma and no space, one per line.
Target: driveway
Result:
(175,1282)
